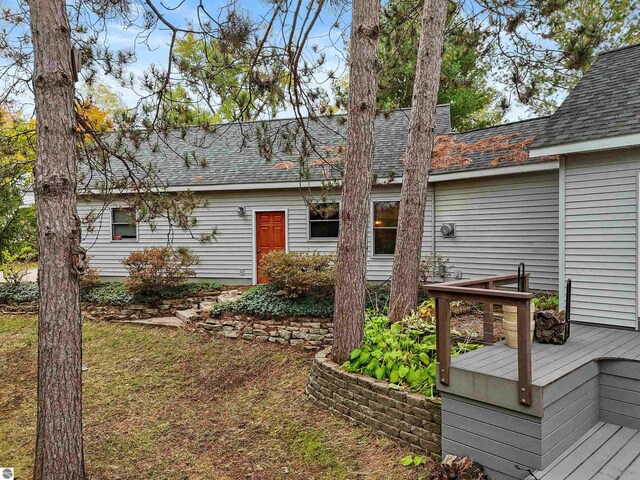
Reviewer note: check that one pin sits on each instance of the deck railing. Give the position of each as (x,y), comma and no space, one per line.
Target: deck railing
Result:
(484,290)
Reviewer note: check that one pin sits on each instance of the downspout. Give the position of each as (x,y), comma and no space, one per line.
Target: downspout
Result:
(432,189)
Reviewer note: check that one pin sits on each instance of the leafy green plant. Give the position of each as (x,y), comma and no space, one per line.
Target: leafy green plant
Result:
(117,294)
(299,273)
(413,460)
(16,265)
(265,301)
(546,303)
(402,353)
(20,293)
(112,293)
(378,297)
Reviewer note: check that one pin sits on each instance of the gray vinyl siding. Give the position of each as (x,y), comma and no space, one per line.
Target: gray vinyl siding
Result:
(230,256)
(500,222)
(600,229)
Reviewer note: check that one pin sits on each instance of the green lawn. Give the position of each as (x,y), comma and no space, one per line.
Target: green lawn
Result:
(169,404)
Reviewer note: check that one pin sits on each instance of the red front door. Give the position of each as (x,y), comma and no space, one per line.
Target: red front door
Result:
(270,231)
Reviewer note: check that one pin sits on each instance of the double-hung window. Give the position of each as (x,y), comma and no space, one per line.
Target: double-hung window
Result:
(123,224)
(385,227)
(324,220)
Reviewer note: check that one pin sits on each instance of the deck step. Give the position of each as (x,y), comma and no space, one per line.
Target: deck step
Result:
(605,452)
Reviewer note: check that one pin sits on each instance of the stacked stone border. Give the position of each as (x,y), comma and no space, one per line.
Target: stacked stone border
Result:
(90,311)
(309,333)
(409,418)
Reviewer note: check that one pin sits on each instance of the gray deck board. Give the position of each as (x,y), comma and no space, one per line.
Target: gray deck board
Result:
(605,452)
(552,362)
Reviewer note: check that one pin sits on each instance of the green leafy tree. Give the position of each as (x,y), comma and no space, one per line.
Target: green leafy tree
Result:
(229,76)
(17,152)
(464,77)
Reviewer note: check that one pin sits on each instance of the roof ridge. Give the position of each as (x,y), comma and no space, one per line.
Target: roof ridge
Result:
(617,49)
(501,125)
(328,115)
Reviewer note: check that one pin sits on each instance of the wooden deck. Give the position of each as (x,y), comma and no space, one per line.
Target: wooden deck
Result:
(490,374)
(605,452)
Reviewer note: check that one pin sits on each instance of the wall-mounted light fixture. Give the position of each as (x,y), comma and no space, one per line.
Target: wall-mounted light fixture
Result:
(448,229)
(241,211)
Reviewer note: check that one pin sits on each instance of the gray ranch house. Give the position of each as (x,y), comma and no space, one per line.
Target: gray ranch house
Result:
(559,193)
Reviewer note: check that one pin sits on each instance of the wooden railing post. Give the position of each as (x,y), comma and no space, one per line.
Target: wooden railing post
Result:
(487,314)
(443,338)
(524,352)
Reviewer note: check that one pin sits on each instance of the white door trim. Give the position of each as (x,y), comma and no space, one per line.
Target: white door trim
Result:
(254,236)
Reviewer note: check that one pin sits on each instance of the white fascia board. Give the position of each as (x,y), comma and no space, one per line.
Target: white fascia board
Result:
(610,143)
(438,177)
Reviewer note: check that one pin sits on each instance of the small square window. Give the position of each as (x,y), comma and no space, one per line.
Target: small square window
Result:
(123,224)
(324,220)
(385,227)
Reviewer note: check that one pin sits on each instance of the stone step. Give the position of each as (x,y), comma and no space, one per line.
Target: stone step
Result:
(158,322)
(187,315)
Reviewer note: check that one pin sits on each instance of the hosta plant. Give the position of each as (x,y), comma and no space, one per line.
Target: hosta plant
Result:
(402,353)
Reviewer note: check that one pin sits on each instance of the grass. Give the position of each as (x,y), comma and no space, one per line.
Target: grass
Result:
(177,404)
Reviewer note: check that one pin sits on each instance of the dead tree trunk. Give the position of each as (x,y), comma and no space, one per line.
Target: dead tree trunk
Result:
(59,453)
(413,199)
(358,168)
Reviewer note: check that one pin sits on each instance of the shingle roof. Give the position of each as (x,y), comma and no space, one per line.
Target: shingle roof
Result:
(231,154)
(492,147)
(605,103)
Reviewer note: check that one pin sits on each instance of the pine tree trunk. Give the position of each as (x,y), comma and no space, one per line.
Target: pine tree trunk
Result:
(413,199)
(59,453)
(358,168)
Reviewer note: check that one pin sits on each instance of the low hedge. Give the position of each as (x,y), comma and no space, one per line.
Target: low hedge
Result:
(112,293)
(264,301)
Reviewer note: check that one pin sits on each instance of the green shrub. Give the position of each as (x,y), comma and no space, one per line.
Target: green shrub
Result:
(189,289)
(16,265)
(264,301)
(112,293)
(299,273)
(117,294)
(401,353)
(547,303)
(19,293)
(157,268)
(378,297)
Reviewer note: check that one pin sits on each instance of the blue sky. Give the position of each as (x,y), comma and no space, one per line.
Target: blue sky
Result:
(154,48)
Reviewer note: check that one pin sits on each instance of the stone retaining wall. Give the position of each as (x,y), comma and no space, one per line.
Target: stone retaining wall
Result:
(309,333)
(90,311)
(410,418)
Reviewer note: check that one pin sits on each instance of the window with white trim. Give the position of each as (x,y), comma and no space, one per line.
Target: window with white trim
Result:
(123,224)
(385,227)
(324,220)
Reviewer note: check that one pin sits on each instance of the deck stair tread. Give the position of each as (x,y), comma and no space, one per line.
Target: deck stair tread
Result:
(605,452)
(552,362)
